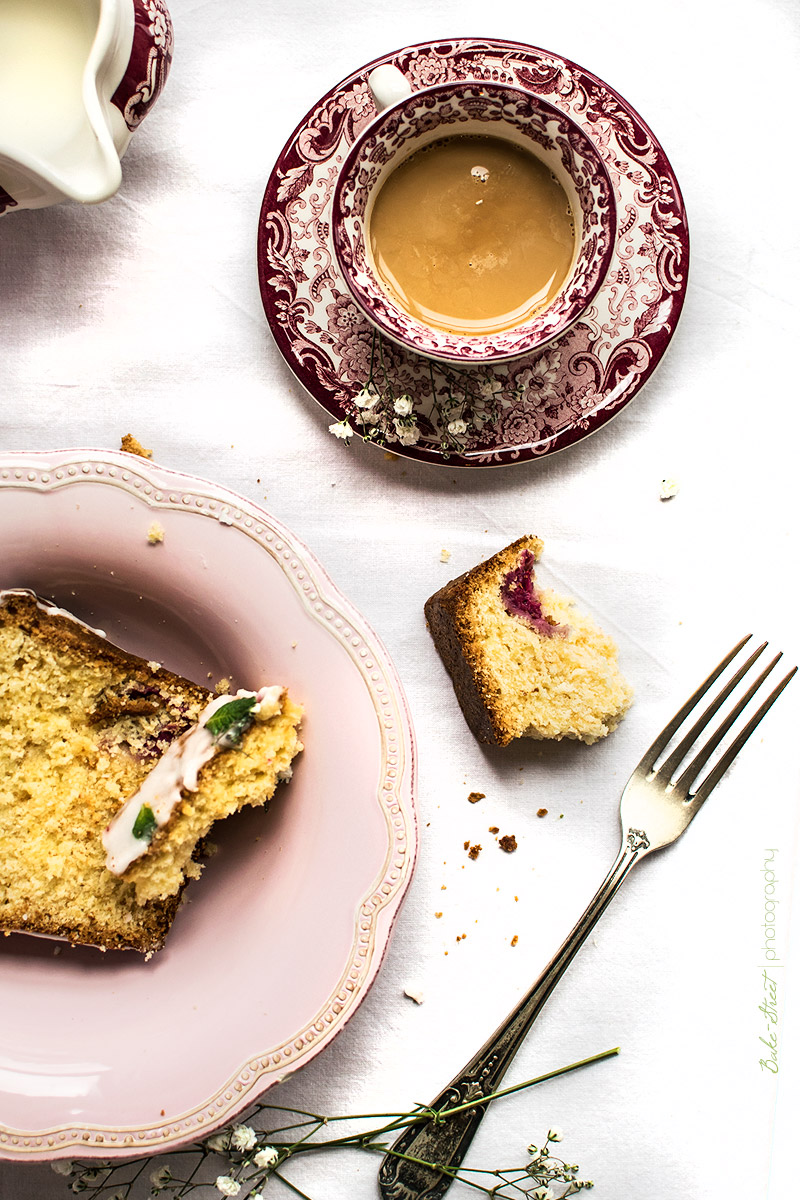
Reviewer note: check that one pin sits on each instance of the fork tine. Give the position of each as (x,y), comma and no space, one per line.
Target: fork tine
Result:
(694,768)
(713,778)
(670,765)
(668,732)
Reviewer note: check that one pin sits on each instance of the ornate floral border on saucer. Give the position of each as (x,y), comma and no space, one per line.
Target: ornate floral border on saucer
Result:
(485,416)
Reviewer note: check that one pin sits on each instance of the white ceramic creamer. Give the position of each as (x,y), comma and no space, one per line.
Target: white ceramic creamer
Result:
(76,78)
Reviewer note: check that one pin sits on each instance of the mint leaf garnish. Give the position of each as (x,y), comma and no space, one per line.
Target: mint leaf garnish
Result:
(145,824)
(231,720)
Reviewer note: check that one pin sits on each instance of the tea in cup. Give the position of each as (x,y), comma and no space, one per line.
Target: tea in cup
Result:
(473,222)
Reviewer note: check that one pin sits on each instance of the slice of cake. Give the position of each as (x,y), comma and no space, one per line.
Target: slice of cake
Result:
(89,735)
(525,662)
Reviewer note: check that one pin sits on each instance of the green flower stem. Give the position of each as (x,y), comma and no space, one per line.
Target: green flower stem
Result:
(402,1120)
(372,357)
(292,1188)
(518,1087)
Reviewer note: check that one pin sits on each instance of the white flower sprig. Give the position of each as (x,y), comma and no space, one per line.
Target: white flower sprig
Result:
(254,1157)
(461,404)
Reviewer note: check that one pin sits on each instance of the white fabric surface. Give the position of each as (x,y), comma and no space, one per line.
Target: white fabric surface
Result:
(144,315)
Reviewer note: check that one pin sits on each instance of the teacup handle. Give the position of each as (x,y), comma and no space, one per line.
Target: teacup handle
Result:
(388,85)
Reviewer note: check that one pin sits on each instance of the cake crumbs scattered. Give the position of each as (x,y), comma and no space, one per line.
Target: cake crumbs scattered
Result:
(514,940)
(437,915)
(508,843)
(415,993)
(474,851)
(541,812)
(132,445)
(155,534)
(223,686)
(494,829)
(444,555)
(474,797)
(668,489)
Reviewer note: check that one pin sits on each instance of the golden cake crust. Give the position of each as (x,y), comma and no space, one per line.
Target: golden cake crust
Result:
(512,680)
(82,723)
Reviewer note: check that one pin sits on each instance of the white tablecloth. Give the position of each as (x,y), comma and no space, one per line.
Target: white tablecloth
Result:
(144,315)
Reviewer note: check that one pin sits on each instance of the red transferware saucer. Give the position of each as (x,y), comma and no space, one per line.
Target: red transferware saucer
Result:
(491,415)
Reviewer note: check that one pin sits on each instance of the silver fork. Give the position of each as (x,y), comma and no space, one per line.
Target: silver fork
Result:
(657,805)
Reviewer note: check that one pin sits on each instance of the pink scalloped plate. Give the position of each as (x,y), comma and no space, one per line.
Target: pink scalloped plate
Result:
(278,942)
(477,417)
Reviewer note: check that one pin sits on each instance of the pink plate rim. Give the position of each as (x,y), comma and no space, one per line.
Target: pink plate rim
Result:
(161,491)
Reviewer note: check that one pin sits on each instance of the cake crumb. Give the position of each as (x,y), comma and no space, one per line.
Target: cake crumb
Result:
(514,940)
(155,534)
(444,555)
(494,829)
(541,812)
(437,915)
(508,843)
(669,488)
(414,992)
(223,686)
(474,797)
(132,445)
(474,851)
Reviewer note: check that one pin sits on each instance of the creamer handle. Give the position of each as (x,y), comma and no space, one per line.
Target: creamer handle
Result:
(388,85)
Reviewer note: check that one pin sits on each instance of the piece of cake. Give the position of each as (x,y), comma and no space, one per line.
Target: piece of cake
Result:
(83,727)
(525,662)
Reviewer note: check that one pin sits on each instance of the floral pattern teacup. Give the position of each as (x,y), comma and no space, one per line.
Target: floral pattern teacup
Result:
(470,107)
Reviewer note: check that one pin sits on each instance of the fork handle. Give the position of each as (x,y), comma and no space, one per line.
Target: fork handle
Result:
(442,1144)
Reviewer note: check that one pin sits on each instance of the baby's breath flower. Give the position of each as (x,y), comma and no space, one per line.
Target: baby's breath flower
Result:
(243,1137)
(160,1177)
(219,1142)
(62,1166)
(457,426)
(228,1186)
(341,429)
(266,1157)
(490,387)
(542,1193)
(408,435)
(403,406)
(556,1134)
(367,397)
